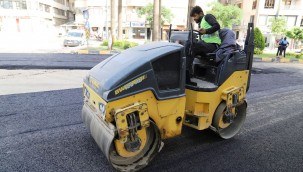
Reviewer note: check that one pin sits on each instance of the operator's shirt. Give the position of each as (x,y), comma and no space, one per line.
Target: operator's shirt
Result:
(211,20)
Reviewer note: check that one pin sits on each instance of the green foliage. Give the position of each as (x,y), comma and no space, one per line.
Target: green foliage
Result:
(295,33)
(278,25)
(122,44)
(227,15)
(118,43)
(257,51)
(296,55)
(105,43)
(299,55)
(148,12)
(259,40)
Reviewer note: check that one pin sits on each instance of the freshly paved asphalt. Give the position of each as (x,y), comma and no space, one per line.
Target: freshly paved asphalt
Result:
(44,132)
(49,61)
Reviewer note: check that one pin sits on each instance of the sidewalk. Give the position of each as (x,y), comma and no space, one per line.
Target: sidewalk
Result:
(26,81)
(277,59)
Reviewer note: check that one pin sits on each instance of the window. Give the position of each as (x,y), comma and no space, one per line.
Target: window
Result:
(47,8)
(138,33)
(59,12)
(16,5)
(13,4)
(23,5)
(301,22)
(262,20)
(6,4)
(254,5)
(269,4)
(41,7)
(291,21)
(287,2)
(167,71)
(265,20)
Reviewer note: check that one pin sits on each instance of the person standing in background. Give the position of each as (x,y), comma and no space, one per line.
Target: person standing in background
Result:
(283,44)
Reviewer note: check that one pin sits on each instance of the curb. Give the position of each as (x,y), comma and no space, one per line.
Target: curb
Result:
(263,59)
(105,52)
(255,59)
(277,60)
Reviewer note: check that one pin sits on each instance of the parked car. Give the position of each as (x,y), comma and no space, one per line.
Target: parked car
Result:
(74,38)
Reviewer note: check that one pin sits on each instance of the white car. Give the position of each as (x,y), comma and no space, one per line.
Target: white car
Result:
(74,38)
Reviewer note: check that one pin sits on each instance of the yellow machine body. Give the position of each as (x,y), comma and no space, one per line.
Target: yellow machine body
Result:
(169,114)
(202,105)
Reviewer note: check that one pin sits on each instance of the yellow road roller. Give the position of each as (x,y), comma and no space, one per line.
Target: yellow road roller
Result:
(135,99)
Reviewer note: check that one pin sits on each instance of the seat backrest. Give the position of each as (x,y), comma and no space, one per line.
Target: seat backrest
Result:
(228,44)
(227,37)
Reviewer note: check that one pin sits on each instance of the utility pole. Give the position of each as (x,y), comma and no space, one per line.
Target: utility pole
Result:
(279,8)
(113,19)
(106,22)
(156,21)
(120,19)
(191,4)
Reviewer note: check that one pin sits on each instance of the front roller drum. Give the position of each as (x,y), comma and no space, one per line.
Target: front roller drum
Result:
(105,134)
(102,132)
(226,127)
(133,161)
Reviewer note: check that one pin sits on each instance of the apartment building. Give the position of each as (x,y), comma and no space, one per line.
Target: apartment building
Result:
(134,27)
(34,15)
(260,12)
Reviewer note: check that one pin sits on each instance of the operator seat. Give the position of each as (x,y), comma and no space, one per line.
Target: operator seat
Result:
(216,67)
(228,45)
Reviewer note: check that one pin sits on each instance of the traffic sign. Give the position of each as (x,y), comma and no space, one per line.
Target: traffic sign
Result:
(87,26)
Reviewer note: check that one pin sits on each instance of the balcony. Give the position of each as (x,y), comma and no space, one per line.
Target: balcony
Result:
(290,7)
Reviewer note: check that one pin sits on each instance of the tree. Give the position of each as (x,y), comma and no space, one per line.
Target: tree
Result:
(295,33)
(190,5)
(278,25)
(156,33)
(147,11)
(259,41)
(113,19)
(120,32)
(226,15)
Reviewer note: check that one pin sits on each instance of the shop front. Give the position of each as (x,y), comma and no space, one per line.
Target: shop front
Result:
(137,30)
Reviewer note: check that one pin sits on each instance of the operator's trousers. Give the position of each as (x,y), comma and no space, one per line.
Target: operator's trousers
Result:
(198,48)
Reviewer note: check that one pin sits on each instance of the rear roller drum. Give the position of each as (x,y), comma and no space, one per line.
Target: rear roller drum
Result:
(226,125)
(135,155)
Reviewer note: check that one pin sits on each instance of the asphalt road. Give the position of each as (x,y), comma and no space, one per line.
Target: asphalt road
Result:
(44,132)
(49,61)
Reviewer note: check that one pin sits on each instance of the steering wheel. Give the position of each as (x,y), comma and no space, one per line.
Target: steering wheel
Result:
(191,37)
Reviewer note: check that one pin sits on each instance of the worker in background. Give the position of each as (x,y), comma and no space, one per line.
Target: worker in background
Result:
(209,39)
(283,44)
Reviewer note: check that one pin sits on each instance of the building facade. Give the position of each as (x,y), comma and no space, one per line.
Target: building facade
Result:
(34,15)
(134,27)
(260,12)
